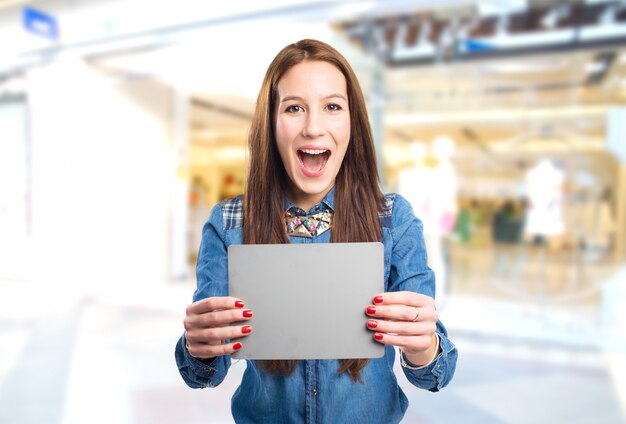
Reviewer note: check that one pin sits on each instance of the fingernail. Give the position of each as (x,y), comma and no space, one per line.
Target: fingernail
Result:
(378,299)
(372,324)
(246,329)
(378,336)
(238,304)
(371,310)
(237,346)
(247,313)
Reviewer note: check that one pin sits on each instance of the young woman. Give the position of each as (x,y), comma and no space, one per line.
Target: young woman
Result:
(311,153)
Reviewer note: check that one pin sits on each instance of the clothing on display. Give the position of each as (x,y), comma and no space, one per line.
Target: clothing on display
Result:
(544,188)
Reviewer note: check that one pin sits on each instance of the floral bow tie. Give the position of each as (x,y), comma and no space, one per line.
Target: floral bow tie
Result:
(301,225)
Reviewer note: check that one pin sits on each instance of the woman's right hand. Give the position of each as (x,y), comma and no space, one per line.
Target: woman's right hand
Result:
(208,324)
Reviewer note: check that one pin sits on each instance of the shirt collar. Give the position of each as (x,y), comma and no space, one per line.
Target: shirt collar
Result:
(328,201)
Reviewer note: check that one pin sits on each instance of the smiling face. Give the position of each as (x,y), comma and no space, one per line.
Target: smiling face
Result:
(312,129)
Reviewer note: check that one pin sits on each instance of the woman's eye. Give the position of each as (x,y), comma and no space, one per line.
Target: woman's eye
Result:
(334,106)
(293,108)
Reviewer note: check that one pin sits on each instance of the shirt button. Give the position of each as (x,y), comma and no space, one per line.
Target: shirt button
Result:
(313,392)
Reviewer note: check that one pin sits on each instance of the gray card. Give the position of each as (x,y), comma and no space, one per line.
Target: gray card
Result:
(308,300)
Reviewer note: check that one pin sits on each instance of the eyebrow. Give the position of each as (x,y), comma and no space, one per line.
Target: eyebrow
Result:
(330,96)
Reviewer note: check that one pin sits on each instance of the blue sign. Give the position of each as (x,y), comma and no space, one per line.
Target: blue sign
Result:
(40,23)
(472,45)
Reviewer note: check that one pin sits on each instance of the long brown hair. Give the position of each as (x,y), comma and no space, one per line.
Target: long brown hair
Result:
(358,198)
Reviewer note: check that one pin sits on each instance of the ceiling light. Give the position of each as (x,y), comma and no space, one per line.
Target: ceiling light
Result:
(552,18)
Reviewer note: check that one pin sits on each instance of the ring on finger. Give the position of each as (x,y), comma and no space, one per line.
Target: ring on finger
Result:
(417,315)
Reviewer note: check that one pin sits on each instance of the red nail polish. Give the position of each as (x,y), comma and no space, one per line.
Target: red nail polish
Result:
(238,304)
(378,336)
(371,310)
(372,324)
(246,329)
(237,346)
(247,313)
(378,299)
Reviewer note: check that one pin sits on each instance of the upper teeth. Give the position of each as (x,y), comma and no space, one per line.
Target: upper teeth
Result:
(313,151)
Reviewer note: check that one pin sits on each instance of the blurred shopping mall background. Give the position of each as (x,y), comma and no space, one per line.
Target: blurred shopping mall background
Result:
(123,122)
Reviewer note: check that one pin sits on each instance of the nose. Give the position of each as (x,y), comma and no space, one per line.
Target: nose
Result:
(314,125)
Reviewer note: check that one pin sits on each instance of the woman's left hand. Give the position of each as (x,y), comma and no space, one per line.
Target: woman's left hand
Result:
(407,320)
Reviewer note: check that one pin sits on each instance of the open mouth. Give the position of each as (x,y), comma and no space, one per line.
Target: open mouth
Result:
(313,160)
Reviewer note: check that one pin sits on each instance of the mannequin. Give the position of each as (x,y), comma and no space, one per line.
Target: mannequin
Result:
(544,216)
(544,187)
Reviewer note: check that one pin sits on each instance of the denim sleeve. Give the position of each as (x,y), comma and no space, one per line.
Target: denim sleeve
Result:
(212,280)
(410,272)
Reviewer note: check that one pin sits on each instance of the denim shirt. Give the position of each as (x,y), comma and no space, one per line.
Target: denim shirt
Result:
(315,392)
